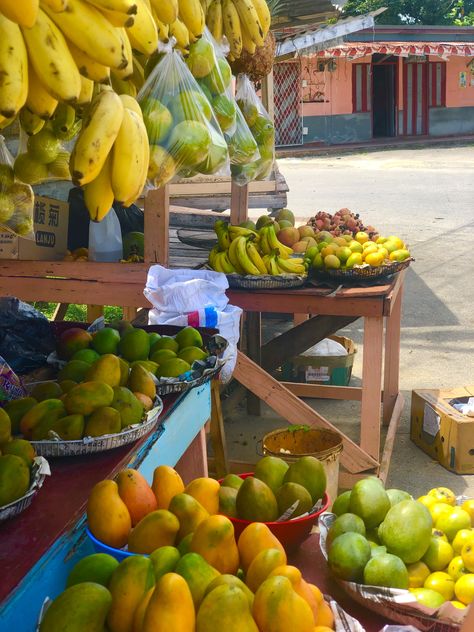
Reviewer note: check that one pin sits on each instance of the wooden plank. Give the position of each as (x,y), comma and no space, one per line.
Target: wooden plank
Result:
(84,270)
(157,226)
(310,391)
(218,187)
(193,463)
(239,204)
(392,358)
(267,94)
(221,203)
(60,311)
(371,386)
(397,286)
(288,406)
(390,438)
(253,324)
(93,312)
(129,313)
(217,432)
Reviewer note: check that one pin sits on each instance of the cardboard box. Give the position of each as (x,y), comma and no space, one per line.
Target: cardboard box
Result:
(441,431)
(51,220)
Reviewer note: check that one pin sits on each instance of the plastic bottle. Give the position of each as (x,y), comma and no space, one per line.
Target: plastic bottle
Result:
(105,239)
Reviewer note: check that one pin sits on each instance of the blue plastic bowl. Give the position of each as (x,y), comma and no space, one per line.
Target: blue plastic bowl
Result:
(100,547)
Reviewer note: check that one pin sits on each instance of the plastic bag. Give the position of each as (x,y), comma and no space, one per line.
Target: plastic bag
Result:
(16,198)
(105,239)
(262,129)
(326,347)
(184,135)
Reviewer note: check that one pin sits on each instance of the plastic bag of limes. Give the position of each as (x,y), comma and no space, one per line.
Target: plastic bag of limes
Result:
(16,198)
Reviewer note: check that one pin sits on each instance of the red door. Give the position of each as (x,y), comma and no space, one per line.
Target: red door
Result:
(415,99)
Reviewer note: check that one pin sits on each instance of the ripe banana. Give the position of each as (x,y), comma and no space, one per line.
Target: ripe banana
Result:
(23,13)
(98,134)
(191,13)
(39,101)
(232,28)
(232,254)
(126,72)
(289,266)
(240,231)
(247,264)
(214,20)
(87,90)
(119,20)
(55,5)
(163,29)
(120,6)
(143,34)
(89,67)
(212,256)
(247,42)
(51,59)
(179,31)
(128,157)
(98,194)
(249,16)
(166,10)
(90,31)
(222,231)
(13,68)
(30,123)
(131,103)
(223,264)
(255,257)
(275,244)
(264,15)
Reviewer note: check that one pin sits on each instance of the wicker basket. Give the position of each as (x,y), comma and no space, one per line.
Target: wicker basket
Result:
(266,281)
(39,471)
(362,273)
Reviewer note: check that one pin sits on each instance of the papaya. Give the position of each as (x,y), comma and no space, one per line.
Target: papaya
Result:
(227,501)
(214,540)
(232,480)
(46,390)
(142,381)
(84,398)
(278,608)
(170,607)
(253,539)
(124,372)
(107,515)
(164,560)
(166,484)
(189,512)
(80,607)
(158,528)
(140,611)
(198,575)
(136,494)
(231,580)
(225,608)
(128,406)
(96,568)
(69,428)
(106,369)
(14,478)
(16,409)
(256,502)
(206,491)
(103,421)
(262,565)
(185,544)
(300,586)
(128,585)
(49,409)
(75,370)
(21,448)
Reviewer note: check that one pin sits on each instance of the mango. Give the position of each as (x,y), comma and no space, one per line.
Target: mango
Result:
(165,342)
(253,539)
(153,337)
(69,428)
(84,398)
(214,540)
(227,501)
(149,365)
(159,356)
(369,501)
(174,367)
(21,448)
(288,494)
(128,406)
(144,400)
(231,580)
(271,470)
(5,427)
(206,491)
(103,421)
(46,390)
(96,568)
(232,480)
(86,355)
(14,478)
(189,512)
(300,586)
(309,472)
(406,530)
(106,369)
(166,484)
(197,573)
(140,611)
(158,528)
(16,409)
(128,585)
(278,608)
(66,385)
(262,565)
(184,545)
(225,608)
(134,345)
(256,502)
(75,370)
(105,340)
(79,608)
(190,354)
(107,515)
(170,607)
(72,340)
(164,560)
(48,409)
(348,555)
(136,494)
(141,380)
(124,372)
(188,337)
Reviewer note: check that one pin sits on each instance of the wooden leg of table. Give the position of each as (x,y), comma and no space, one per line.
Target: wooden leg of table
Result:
(129,313)
(392,359)
(254,342)
(371,386)
(390,438)
(60,311)
(299,318)
(93,312)
(193,463)
(239,203)
(217,432)
(156,217)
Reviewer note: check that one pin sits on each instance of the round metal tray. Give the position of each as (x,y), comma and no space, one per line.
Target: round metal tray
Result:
(39,471)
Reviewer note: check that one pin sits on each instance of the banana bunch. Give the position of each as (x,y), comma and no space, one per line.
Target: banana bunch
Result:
(245,23)
(245,251)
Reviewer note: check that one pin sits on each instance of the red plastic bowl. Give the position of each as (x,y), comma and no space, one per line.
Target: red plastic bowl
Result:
(291,533)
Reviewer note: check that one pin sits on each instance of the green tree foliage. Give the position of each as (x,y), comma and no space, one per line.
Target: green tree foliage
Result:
(458,12)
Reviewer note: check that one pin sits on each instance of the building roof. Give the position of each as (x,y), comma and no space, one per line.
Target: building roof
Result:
(355,50)
(414,33)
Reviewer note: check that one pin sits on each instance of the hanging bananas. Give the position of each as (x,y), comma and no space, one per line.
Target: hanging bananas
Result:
(13,68)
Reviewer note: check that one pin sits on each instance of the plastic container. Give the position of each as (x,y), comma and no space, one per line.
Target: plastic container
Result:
(325,445)
(291,533)
(105,239)
(100,547)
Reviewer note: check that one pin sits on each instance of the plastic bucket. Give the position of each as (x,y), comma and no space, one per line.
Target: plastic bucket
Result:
(292,443)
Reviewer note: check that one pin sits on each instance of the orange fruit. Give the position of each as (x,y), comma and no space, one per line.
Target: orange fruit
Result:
(443,495)
(427,501)
(456,568)
(457,604)
(361,237)
(464,589)
(437,533)
(468,505)
(467,554)
(417,574)
(374,259)
(324,616)
(462,537)
(438,509)
(332,262)
(441,583)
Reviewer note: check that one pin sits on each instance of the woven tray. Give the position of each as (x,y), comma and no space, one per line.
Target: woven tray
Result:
(266,281)
(39,471)
(92,445)
(363,273)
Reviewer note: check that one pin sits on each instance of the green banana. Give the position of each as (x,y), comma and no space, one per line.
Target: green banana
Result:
(64,119)
(274,269)
(255,257)
(264,245)
(30,122)
(244,259)
(222,231)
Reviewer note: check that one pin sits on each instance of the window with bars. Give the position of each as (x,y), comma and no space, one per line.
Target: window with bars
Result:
(361,88)
(437,84)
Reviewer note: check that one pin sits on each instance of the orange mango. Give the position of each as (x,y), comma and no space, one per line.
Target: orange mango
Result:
(278,608)
(166,484)
(158,528)
(253,539)
(214,540)
(136,494)
(170,607)
(262,565)
(206,491)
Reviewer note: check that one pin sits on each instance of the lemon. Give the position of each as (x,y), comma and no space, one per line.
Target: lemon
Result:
(437,533)
(468,505)
(354,260)
(456,568)
(28,170)
(467,554)
(443,495)
(361,237)
(441,583)
(462,537)
(383,251)
(397,241)
(464,588)
(381,240)
(438,509)
(428,597)
(374,259)
(427,501)
(399,255)
(453,522)
(332,262)
(457,604)
(417,574)
(438,555)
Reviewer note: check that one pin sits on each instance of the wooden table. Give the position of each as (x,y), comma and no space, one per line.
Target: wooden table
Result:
(39,547)
(380,308)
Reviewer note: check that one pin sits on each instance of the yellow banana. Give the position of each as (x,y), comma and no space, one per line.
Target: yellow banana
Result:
(143,34)
(249,16)
(90,31)
(51,59)
(264,245)
(119,20)
(222,231)
(22,12)
(131,103)
(275,244)
(30,122)
(39,101)
(223,264)
(288,266)
(97,137)
(138,76)
(232,254)
(232,28)
(13,68)
(120,6)
(255,257)
(212,256)
(166,10)
(247,42)
(264,15)
(191,13)
(55,5)
(126,72)
(89,67)
(122,86)
(163,29)
(128,157)
(240,231)
(274,269)
(246,263)
(214,19)
(87,89)
(98,194)
(179,31)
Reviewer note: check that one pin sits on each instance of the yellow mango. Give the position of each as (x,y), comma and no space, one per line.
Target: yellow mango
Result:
(14,478)
(140,611)
(278,608)
(79,608)
(128,586)
(158,528)
(197,573)
(166,484)
(84,398)
(170,607)
(107,515)
(253,539)
(141,380)
(231,580)
(164,560)
(300,586)
(262,565)
(48,409)
(225,608)
(189,512)
(214,540)
(206,491)
(106,369)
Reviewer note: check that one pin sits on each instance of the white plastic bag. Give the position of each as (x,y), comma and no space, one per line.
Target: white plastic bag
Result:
(105,239)
(326,347)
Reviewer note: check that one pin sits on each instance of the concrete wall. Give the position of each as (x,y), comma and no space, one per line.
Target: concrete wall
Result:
(338,129)
(451,121)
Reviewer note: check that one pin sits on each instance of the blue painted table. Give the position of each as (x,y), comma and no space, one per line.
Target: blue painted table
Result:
(39,547)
